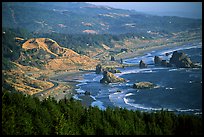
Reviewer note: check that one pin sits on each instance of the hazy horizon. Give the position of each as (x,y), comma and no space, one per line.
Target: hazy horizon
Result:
(181,9)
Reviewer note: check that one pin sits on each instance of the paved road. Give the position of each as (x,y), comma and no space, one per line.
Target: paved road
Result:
(43,92)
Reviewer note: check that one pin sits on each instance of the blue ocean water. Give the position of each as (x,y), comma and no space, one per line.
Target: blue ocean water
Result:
(178,89)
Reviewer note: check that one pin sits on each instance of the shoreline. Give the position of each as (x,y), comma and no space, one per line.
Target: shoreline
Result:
(87,99)
(142,51)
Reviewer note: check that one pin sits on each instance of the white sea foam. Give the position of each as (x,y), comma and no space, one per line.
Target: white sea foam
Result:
(169,88)
(94,98)
(76,97)
(99,104)
(128,84)
(139,106)
(129,94)
(97,78)
(198,113)
(84,83)
(80,91)
(187,110)
(117,98)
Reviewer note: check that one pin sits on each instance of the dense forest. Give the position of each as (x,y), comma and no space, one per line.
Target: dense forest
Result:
(26,115)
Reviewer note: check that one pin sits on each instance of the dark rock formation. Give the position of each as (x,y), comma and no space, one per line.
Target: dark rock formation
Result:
(121,61)
(167,54)
(112,70)
(112,58)
(157,60)
(164,63)
(87,93)
(124,49)
(98,69)
(109,77)
(143,85)
(180,59)
(142,64)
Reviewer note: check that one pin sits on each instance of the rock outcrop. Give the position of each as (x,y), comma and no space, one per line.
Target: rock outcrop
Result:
(109,77)
(112,58)
(160,62)
(143,85)
(157,60)
(112,70)
(98,69)
(180,60)
(142,64)
(164,63)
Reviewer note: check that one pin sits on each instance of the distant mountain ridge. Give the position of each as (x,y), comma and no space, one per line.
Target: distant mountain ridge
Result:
(80,17)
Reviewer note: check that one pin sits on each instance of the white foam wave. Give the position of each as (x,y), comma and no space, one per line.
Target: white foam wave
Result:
(137,70)
(80,91)
(84,83)
(177,69)
(170,88)
(129,94)
(198,113)
(76,97)
(94,98)
(139,106)
(149,57)
(128,84)
(187,110)
(98,104)
(98,78)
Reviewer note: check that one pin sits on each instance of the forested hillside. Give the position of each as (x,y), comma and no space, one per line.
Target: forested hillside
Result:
(26,115)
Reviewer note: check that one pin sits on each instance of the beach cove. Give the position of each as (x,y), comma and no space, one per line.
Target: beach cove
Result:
(104,96)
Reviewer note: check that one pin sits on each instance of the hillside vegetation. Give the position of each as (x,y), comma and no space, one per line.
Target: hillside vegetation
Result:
(84,18)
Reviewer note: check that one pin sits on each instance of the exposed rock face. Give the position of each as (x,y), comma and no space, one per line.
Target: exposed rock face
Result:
(142,64)
(164,63)
(112,70)
(109,77)
(112,58)
(87,93)
(98,69)
(157,60)
(180,59)
(143,85)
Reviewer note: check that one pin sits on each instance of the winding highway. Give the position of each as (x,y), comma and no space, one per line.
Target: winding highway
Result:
(43,92)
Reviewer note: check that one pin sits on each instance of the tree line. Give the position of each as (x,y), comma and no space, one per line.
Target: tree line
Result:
(26,115)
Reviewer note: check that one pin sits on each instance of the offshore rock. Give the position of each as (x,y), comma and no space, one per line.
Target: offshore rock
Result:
(142,64)
(143,85)
(180,60)
(98,69)
(157,60)
(109,77)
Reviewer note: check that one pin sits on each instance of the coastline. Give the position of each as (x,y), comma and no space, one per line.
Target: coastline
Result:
(70,77)
(142,51)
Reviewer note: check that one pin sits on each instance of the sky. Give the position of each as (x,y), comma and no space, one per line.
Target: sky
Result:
(182,9)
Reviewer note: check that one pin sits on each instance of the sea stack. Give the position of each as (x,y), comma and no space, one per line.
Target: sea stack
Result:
(142,64)
(109,77)
(180,60)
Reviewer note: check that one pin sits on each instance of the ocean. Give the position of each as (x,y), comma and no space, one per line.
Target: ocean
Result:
(178,89)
